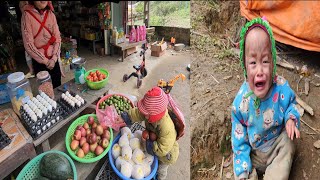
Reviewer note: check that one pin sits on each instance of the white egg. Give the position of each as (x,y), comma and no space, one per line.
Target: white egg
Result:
(25,106)
(45,111)
(77,96)
(44,128)
(78,103)
(39,115)
(34,118)
(39,131)
(49,108)
(54,104)
(72,104)
(67,93)
(38,97)
(63,95)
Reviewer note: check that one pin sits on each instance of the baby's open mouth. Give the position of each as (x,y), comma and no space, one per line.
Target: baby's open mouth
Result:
(260,84)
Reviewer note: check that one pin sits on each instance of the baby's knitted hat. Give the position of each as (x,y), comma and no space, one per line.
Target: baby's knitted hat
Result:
(154,104)
(264,25)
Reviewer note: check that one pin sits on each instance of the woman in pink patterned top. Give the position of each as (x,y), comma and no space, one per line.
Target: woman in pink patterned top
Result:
(41,38)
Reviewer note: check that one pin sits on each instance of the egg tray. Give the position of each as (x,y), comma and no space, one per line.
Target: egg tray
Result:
(4,139)
(67,110)
(106,172)
(43,124)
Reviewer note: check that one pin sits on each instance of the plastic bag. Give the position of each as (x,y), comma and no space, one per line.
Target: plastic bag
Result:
(108,117)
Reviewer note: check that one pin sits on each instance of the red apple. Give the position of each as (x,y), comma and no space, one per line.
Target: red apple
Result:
(83,132)
(92,138)
(85,148)
(106,134)
(99,150)
(93,130)
(74,145)
(88,132)
(90,120)
(94,125)
(82,141)
(145,134)
(98,139)
(104,143)
(77,135)
(80,153)
(79,127)
(86,125)
(99,130)
(93,147)
(152,136)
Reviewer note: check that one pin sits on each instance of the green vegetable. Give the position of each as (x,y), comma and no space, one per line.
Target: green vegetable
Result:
(55,166)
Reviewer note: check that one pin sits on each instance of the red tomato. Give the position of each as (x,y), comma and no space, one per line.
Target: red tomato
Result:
(99,78)
(95,79)
(91,73)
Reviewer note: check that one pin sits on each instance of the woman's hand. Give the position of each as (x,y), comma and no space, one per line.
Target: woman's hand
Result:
(51,64)
(292,129)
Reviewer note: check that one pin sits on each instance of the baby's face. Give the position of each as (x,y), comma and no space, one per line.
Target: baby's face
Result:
(258,62)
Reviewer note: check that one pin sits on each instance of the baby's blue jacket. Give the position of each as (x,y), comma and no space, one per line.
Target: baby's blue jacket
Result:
(258,128)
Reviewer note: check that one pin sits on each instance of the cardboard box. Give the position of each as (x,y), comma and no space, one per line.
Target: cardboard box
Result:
(158,50)
(157,53)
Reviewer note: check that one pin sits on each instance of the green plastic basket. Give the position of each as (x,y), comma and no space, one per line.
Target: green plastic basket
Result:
(32,169)
(90,157)
(99,84)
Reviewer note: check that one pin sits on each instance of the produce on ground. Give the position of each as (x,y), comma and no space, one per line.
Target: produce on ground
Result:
(90,137)
(129,155)
(121,103)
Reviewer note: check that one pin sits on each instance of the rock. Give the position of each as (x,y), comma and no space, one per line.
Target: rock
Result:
(317,144)
(228,175)
(227,77)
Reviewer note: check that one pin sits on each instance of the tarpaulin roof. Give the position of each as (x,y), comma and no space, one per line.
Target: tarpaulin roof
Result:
(296,23)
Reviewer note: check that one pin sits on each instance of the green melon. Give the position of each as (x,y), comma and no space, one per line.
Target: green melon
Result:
(55,166)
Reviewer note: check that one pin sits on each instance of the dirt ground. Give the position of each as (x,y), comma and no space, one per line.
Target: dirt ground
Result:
(216,77)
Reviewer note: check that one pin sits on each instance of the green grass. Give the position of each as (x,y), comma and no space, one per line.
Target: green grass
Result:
(167,13)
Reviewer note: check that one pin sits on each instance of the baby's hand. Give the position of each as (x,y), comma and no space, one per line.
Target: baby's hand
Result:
(292,129)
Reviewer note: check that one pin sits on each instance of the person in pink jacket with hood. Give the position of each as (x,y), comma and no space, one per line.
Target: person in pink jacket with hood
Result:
(41,38)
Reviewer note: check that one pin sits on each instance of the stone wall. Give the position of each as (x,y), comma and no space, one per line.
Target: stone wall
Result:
(182,35)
